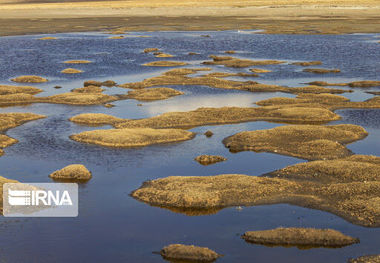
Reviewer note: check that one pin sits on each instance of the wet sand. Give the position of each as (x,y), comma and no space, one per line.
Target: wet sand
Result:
(291,17)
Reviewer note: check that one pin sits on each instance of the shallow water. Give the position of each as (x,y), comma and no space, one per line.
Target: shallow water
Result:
(111,225)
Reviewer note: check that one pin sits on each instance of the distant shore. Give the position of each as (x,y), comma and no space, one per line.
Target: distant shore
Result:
(274,17)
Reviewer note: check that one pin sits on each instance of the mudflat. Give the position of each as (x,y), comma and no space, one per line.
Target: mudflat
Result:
(291,16)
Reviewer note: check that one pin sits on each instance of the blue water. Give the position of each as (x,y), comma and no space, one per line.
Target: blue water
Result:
(111,225)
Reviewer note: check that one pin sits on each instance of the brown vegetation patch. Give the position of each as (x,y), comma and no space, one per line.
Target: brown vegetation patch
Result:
(324,83)
(364,84)
(95,119)
(29,79)
(306,64)
(228,115)
(152,49)
(71,71)
(165,64)
(153,94)
(180,77)
(209,134)
(77,62)
(374,92)
(117,37)
(72,172)
(209,159)
(303,141)
(108,83)
(137,137)
(300,237)
(356,168)
(366,259)
(12,120)
(163,55)
(230,52)
(188,253)
(260,70)
(47,38)
(88,89)
(239,63)
(357,202)
(6,141)
(9,89)
(329,101)
(92,83)
(321,70)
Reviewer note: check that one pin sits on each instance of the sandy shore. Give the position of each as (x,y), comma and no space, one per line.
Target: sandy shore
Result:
(290,17)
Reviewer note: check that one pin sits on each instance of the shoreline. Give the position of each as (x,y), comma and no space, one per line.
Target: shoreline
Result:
(274,17)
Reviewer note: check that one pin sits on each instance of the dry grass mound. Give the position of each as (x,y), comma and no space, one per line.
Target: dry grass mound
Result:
(132,137)
(306,64)
(153,94)
(75,98)
(6,141)
(12,120)
(109,83)
(239,63)
(88,89)
(209,159)
(117,37)
(95,119)
(180,77)
(188,253)
(324,83)
(71,71)
(9,89)
(228,115)
(356,168)
(321,70)
(366,259)
(47,38)
(230,52)
(303,141)
(165,64)
(72,172)
(329,101)
(260,70)
(162,55)
(152,49)
(77,62)
(208,134)
(92,83)
(300,237)
(30,79)
(357,202)
(364,84)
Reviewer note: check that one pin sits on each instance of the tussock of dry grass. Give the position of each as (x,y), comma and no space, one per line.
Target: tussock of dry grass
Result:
(165,64)
(29,79)
(6,141)
(321,70)
(209,159)
(239,63)
(162,55)
(306,64)
(88,89)
(329,101)
(12,120)
(260,70)
(47,38)
(138,137)
(71,71)
(72,172)
(95,119)
(366,259)
(77,62)
(152,49)
(300,237)
(188,253)
(357,202)
(180,77)
(364,84)
(9,89)
(117,37)
(226,115)
(153,94)
(356,168)
(303,141)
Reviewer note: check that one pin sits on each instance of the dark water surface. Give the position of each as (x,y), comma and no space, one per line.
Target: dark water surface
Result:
(112,226)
